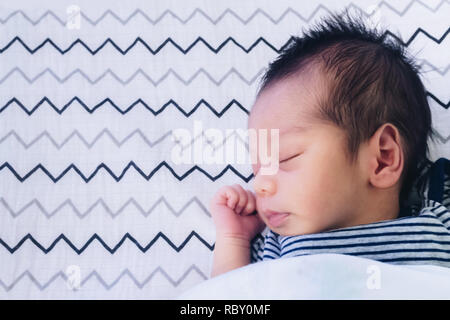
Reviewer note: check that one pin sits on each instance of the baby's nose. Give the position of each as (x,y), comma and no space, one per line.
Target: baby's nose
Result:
(263,185)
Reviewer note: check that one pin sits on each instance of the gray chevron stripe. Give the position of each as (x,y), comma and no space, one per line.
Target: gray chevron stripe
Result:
(210,140)
(33,280)
(88,145)
(95,274)
(138,72)
(118,143)
(24,15)
(138,132)
(200,12)
(441,138)
(106,208)
(441,71)
(141,72)
(401,13)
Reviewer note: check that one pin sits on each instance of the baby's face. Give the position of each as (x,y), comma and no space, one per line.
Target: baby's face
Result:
(317,187)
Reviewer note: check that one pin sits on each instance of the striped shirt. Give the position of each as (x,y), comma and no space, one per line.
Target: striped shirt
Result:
(421,234)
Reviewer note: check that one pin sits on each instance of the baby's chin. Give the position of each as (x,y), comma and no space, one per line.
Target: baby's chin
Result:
(292,229)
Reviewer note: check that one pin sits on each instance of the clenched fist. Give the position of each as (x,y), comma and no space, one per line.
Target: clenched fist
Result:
(234,213)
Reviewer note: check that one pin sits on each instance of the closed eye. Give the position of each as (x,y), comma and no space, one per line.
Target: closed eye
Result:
(290,158)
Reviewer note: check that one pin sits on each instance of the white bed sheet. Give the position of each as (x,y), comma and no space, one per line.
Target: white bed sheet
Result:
(325,276)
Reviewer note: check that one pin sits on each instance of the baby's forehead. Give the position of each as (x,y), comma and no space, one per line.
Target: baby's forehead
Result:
(286,117)
(292,100)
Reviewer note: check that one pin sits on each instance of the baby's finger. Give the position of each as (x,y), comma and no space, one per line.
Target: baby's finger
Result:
(242,198)
(251,204)
(232,197)
(225,196)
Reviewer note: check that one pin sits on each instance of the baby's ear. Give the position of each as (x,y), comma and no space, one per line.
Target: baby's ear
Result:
(386,156)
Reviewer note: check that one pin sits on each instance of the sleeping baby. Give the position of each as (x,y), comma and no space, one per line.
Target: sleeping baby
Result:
(353,121)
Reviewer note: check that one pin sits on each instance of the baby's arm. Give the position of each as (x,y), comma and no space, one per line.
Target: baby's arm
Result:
(233,210)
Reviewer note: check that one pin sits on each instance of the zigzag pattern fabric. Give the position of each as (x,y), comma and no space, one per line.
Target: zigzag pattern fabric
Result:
(92,203)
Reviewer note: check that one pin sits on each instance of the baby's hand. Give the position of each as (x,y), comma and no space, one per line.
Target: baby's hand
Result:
(234,213)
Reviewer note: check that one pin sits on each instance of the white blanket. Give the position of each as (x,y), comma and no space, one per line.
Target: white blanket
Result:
(325,276)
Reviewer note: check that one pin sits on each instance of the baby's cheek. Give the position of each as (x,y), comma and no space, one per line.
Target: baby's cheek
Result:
(311,205)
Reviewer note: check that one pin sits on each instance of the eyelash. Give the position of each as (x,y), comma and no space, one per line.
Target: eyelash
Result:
(290,158)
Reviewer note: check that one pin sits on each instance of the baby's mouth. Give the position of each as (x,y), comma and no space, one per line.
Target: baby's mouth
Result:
(276,219)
